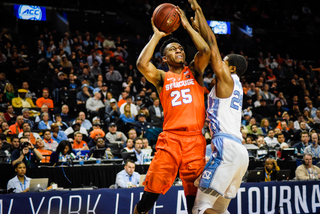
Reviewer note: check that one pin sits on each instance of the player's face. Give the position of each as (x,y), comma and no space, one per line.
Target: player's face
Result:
(175,53)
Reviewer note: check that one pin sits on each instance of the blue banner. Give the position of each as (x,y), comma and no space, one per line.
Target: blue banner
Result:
(252,198)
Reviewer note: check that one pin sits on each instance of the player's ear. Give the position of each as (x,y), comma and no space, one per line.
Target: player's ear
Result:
(164,59)
(233,68)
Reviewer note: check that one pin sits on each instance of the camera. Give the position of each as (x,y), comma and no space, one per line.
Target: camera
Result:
(25,144)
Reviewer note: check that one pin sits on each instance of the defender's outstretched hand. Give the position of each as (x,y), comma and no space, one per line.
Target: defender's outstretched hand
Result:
(183,18)
(194,4)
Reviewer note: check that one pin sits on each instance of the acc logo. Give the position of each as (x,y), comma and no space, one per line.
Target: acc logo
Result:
(29,12)
(219,27)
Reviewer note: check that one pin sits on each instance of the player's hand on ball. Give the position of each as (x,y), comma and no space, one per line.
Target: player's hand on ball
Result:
(183,18)
(157,31)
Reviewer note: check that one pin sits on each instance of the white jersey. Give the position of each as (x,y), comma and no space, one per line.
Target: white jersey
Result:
(224,114)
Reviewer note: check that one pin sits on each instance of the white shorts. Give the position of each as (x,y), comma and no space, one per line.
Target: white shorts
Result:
(222,175)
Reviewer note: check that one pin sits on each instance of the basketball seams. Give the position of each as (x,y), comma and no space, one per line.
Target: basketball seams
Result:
(166,17)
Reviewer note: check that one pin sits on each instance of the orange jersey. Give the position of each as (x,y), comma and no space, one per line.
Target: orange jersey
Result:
(182,99)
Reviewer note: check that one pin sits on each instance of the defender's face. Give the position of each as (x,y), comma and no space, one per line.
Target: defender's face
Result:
(175,53)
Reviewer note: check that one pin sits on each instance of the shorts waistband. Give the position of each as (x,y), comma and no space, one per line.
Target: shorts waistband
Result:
(184,133)
(228,136)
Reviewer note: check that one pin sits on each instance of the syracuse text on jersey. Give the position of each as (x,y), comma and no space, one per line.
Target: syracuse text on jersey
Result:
(179,84)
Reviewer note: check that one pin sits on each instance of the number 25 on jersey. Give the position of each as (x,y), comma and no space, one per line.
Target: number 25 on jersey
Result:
(184,93)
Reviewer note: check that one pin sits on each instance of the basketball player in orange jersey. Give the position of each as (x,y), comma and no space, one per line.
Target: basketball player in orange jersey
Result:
(181,145)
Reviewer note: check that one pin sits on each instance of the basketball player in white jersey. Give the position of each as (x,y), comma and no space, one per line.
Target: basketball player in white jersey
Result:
(221,177)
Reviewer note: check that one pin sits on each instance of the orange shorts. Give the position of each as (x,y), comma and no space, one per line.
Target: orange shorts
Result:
(183,151)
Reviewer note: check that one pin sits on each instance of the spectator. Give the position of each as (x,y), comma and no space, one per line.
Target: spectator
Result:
(128,178)
(65,116)
(115,136)
(263,111)
(95,69)
(124,96)
(314,148)
(133,108)
(83,95)
(94,105)
(76,127)
(141,125)
(99,145)
(278,110)
(9,115)
(32,135)
(144,85)
(270,140)
(132,134)
(271,168)
(113,75)
(85,122)
(62,125)
(49,143)
(15,143)
(300,147)
(27,153)
(45,123)
(22,101)
(20,183)
(56,134)
(145,142)
(87,76)
(156,113)
(303,128)
(9,91)
(64,148)
(26,117)
(44,109)
(282,146)
(281,98)
(3,99)
(112,111)
(255,131)
(78,143)
(61,84)
(45,100)
(94,135)
(44,152)
(311,110)
(127,117)
(17,127)
(137,150)
(129,147)
(307,171)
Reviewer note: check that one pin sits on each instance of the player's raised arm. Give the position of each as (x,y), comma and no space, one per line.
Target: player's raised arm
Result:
(205,31)
(144,65)
(202,58)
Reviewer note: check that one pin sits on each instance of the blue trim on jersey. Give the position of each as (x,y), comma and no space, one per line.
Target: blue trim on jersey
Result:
(211,167)
(228,136)
(212,115)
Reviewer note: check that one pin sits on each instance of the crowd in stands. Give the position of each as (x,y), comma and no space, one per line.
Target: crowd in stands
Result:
(85,86)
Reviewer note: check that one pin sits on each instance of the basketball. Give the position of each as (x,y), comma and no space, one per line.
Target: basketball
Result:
(166,18)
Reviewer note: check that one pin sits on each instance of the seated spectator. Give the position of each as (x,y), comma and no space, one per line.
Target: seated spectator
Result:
(263,111)
(78,143)
(83,95)
(49,143)
(246,118)
(59,85)
(127,117)
(261,143)
(22,101)
(27,154)
(3,99)
(271,168)
(266,94)
(17,127)
(303,128)
(94,135)
(133,108)
(9,115)
(45,123)
(314,148)
(255,131)
(307,171)
(311,110)
(265,127)
(113,75)
(62,125)
(303,144)
(86,75)
(26,117)
(115,136)
(132,134)
(32,135)
(65,116)
(99,145)
(252,121)
(44,152)
(75,128)
(128,178)
(144,85)
(278,110)
(307,118)
(156,113)
(95,106)
(141,125)
(45,100)
(137,150)
(145,142)
(20,183)
(64,148)
(129,147)
(297,124)
(85,122)
(112,111)
(44,109)
(123,99)
(57,134)
(15,143)
(9,91)
(270,140)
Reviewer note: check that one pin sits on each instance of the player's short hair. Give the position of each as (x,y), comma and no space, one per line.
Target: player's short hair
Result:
(168,41)
(239,62)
